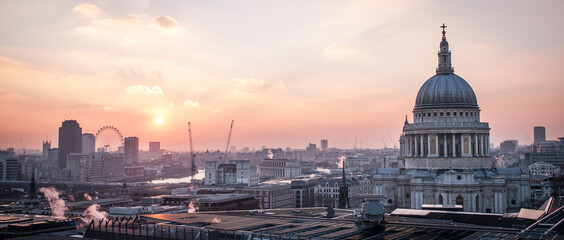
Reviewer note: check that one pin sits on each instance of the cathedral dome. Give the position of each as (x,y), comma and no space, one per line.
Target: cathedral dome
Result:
(445,91)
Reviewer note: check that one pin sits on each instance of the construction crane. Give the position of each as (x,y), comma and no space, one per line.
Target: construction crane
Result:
(355,138)
(391,140)
(528,139)
(228,141)
(192,154)
(23,149)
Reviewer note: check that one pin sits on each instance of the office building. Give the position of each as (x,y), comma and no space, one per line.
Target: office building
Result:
(88,143)
(271,196)
(508,147)
(70,141)
(234,172)
(549,152)
(539,134)
(281,168)
(155,147)
(9,166)
(324,145)
(131,150)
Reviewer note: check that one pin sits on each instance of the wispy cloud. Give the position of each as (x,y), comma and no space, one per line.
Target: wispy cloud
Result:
(190,103)
(144,89)
(339,51)
(254,85)
(88,10)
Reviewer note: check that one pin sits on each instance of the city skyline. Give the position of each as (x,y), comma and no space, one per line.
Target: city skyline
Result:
(287,73)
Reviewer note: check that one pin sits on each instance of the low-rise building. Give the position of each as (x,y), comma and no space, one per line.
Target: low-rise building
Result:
(327,190)
(234,172)
(280,168)
(543,168)
(213,202)
(304,192)
(271,195)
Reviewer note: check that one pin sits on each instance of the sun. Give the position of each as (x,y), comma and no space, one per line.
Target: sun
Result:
(159,120)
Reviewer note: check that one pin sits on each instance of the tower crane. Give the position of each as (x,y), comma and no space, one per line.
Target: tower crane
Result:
(23,149)
(192,154)
(228,140)
(391,140)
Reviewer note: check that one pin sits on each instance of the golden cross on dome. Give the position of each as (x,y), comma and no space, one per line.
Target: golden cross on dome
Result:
(443,27)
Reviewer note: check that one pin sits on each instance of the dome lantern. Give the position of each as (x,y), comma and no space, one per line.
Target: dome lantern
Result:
(445,65)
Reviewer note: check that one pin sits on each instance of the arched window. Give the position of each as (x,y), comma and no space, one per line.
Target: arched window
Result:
(459,200)
(441,199)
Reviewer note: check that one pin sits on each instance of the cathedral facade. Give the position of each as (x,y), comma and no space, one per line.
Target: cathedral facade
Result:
(447,161)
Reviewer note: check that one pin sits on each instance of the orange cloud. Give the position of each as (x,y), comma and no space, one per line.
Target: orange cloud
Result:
(165,22)
(88,10)
(253,85)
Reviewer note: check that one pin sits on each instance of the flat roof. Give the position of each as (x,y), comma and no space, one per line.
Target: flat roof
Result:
(287,223)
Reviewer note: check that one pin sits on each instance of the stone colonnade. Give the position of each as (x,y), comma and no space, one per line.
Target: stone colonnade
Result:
(447,145)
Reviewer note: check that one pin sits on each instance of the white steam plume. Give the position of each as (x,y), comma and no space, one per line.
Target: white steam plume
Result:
(341,160)
(87,197)
(93,213)
(57,205)
(269,155)
(191,208)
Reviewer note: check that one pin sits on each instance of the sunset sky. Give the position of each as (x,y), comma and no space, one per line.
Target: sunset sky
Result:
(288,72)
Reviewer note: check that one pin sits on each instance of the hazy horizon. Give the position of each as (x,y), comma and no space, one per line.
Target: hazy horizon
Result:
(288,73)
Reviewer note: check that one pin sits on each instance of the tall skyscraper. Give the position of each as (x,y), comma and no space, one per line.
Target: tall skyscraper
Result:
(324,145)
(154,147)
(70,140)
(88,143)
(131,150)
(540,135)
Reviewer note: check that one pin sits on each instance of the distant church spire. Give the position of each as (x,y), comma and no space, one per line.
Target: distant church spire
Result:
(445,66)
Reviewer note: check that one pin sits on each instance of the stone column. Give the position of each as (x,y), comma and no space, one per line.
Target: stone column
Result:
(421,149)
(476,145)
(428,145)
(416,153)
(408,145)
(445,148)
(462,145)
(411,146)
(436,145)
(453,145)
(488,145)
(420,198)
(482,145)
(412,199)
(473,200)
(497,199)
